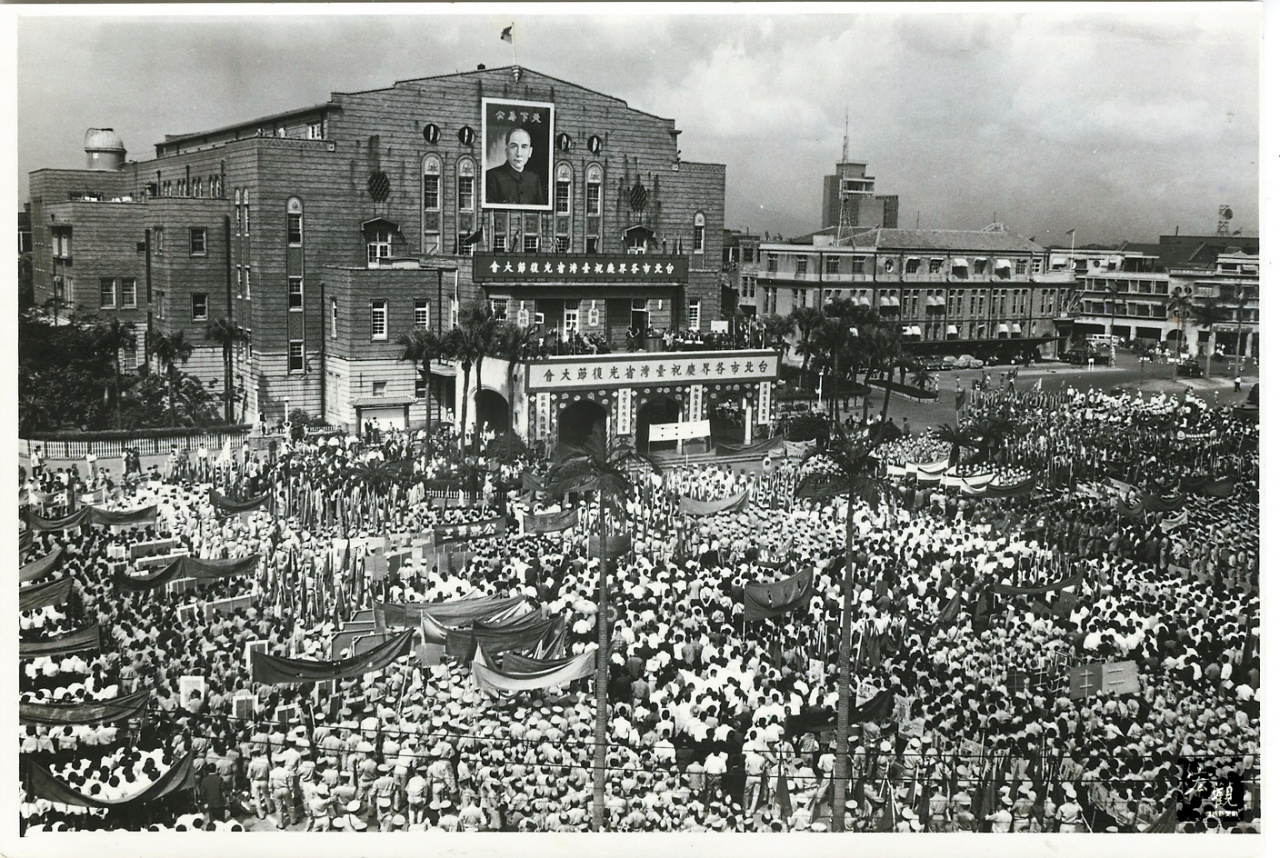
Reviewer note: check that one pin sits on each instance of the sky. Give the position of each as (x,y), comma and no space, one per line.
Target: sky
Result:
(1123,122)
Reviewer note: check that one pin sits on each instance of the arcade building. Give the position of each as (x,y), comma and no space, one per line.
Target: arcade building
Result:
(327,231)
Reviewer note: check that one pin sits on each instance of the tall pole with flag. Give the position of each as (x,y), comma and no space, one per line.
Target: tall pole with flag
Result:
(508,37)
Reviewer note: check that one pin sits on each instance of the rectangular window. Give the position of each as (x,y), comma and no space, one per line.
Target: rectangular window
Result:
(593,244)
(771,263)
(562,244)
(935,265)
(378,319)
(431,243)
(419,387)
(1020,266)
(466,193)
(239,281)
(700,239)
(695,314)
(431,192)
(248,342)
(162,305)
(379,388)
(453,312)
(593,198)
(499,307)
(421,315)
(157,240)
(797,298)
(531,244)
(333,318)
(295,356)
(379,246)
(315,130)
(833,264)
(128,293)
(295,293)
(859,263)
(198,241)
(802,266)
(199,307)
(913,265)
(129,358)
(980,265)
(499,243)
(107,293)
(295,229)
(248,287)
(562,198)
(571,315)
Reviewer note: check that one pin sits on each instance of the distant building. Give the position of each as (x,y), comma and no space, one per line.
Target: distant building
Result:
(863,207)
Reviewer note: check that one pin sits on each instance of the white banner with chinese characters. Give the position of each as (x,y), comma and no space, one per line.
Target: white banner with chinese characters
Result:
(765,401)
(639,368)
(625,397)
(695,402)
(679,431)
(543,410)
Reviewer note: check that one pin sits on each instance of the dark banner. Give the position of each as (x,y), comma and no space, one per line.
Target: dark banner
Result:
(190,567)
(774,600)
(44,595)
(1006,590)
(822,720)
(92,515)
(275,670)
(1013,490)
(37,569)
(89,712)
(698,508)
(551,522)
(82,640)
(43,784)
(468,530)
(523,633)
(775,444)
(227,506)
(1218,488)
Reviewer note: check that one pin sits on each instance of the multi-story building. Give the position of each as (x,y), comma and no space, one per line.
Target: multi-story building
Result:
(1127,291)
(852,193)
(984,292)
(329,230)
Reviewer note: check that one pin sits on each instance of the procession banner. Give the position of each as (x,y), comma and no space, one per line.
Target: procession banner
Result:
(516,662)
(44,595)
(733,503)
(1007,590)
(551,522)
(1155,503)
(42,783)
(191,567)
(228,506)
(76,519)
(778,598)
(468,530)
(1116,677)
(1012,490)
(37,569)
(276,670)
(62,713)
(495,681)
(524,633)
(1223,487)
(59,646)
(823,719)
(760,448)
(456,612)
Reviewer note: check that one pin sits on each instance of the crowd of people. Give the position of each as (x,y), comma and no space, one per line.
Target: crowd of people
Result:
(975,615)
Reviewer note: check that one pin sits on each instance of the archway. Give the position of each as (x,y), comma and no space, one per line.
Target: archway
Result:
(491,409)
(580,419)
(663,409)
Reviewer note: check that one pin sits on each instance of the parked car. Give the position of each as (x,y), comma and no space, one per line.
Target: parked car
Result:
(1189,369)
(933,363)
(1077,357)
(968,362)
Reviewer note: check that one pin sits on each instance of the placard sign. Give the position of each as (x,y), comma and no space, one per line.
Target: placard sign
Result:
(679,431)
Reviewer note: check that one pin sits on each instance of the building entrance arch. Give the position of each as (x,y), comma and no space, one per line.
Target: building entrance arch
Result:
(579,419)
(663,408)
(492,409)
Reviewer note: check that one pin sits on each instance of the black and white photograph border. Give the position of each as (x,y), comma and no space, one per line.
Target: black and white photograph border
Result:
(293,444)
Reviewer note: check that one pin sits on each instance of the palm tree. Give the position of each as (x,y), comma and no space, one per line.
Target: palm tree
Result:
(847,470)
(990,433)
(111,337)
(959,439)
(171,350)
(880,346)
(1207,314)
(776,330)
(1179,307)
(922,377)
(421,347)
(510,343)
(469,343)
(227,334)
(604,468)
(806,321)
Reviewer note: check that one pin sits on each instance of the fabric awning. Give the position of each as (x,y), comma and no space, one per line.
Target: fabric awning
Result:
(1002,329)
(1016,328)
(913,258)
(1003,263)
(379,223)
(952,329)
(382,401)
(979,259)
(959,263)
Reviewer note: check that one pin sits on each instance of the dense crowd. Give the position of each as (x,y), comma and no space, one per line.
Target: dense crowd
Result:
(711,721)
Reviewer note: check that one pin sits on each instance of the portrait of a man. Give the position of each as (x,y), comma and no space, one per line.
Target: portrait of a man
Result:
(517,139)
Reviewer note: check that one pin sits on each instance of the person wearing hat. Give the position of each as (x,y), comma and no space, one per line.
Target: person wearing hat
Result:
(281,786)
(1023,807)
(1002,818)
(385,791)
(319,808)
(962,818)
(1069,814)
(258,772)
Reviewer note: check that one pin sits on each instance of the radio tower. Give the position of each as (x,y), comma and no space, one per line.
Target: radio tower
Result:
(843,228)
(1224,219)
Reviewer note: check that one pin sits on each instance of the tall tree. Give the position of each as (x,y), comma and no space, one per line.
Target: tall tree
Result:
(422,346)
(776,330)
(171,350)
(601,467)
(805,321)
(469,343)
(1180,307)
(227,334)
(111,337)
(510,342)
(845,469)
(1208,313)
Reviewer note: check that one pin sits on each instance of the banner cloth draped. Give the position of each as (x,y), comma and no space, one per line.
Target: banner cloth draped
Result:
(37,569)
(227,506)
(44,595)
(551,522)
(456,612)
(81,640)
(438,633)
(760,448)
(276,670)
(93,515)
(495,681)
(1220,488)
(774,600)
(182,776)
(821,720)
(524,633)
(733,503)
(1006,590)
(85,712)
(191,567)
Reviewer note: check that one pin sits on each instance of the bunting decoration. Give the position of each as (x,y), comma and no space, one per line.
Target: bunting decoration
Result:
(37,569)
(181,776)
(552,522)
(190,567)
(558,672)
(781,597)
(85,712)
(733,503)
(275,670)
(81,640)
(224,505)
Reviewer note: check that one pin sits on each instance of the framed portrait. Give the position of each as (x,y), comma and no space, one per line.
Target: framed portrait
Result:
(189,686)
(517,138)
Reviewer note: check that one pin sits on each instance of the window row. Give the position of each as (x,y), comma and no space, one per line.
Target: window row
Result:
(189,187)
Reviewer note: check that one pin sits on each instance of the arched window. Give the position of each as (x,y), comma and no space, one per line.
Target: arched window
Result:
(595,180)
(431,183)
(294,217)
(564,189)
(466,185)
(699,232)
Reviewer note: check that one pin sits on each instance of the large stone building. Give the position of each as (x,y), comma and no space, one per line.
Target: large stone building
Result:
(328,230)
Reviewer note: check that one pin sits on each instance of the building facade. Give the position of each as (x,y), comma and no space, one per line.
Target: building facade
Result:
(329,230)
(982,292)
